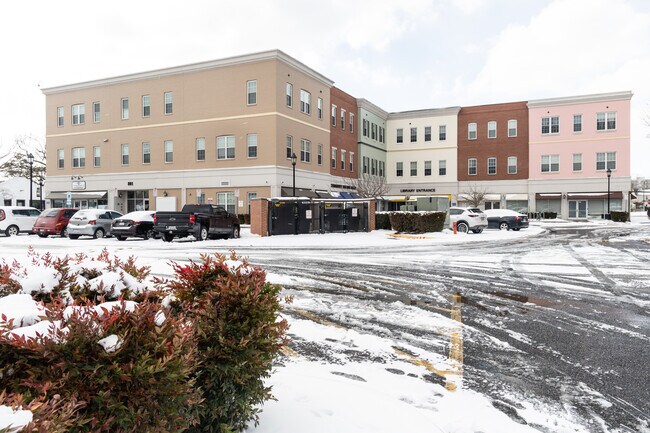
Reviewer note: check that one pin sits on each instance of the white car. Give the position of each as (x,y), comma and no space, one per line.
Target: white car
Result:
(17,219)
(467,218)
(91,222)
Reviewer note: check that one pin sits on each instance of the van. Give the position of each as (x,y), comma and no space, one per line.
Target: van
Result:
(17,219)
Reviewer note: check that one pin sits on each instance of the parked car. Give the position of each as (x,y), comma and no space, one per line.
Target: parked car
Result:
(506,219)
(467,218)
(134,224)
(17,219)
(91,222)
(53,222)
(202,221)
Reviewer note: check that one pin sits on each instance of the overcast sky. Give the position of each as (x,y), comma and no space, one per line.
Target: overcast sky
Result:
(399,54)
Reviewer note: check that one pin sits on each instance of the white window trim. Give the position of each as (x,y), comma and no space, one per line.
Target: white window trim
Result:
(516,164)
(475,166)
(122,154)
(550,164)
(289,95)
(248,92)
(99,112)
(248,146)
(550,125)
(582,123)
(94,156)
(148,105)
(226,147)
(606,113)
(469,131)
(165,152)
(495,129)
(516,128)
(196,149)
(171,103)
(495,166)
(581,163)
(122,111)
(143,153)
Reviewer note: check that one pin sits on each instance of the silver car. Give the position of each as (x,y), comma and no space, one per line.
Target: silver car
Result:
(91,222)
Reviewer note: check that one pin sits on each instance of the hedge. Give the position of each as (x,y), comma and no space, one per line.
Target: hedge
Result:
(382,221)
(417,222)
(619,216)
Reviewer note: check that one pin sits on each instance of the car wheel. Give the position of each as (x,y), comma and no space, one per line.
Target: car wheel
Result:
(167,237)
(99,233)
(73,236)
(462,227)
(41,235)
(479,230)
(504,226)
(64,233)
(235,232)
(12,231)
(149,234)
(120,238)
(203,233)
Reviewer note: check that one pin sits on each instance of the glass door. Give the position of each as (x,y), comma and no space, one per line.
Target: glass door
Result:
(577,208)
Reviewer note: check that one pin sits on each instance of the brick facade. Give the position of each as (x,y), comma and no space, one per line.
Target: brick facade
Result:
(260,217)
(343,136)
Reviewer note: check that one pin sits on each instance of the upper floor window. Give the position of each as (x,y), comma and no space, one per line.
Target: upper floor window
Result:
(577,162)
(512,165)
(59,116)
(97,156)
(550,163)
(305,150)
(125,108)
(146,105)
(606,160)
(305,101)
(471,166)
(399,169)
(96,112)
(382,168)
(442,167)
(471,131)
(125,154)
(427,168)
(320,108)
(577,123)
(492,129)
(289,95)
(365,127)
(334,157)
(146,153)
(78,157)
(60,156)
(169,151)
(400,135)
(351,122)
(414,168)
(605,121)
(169,102)
(512,128)
(427,133)
(442,132)
(492,165)
(414,135)
(319,155)
(373,131)
(200,148)
(342,159)
(550,125)
(252,145)
(381,135)
(333,115)
(226,147)
(342,118)
(289,146)
(251,92)
(78,114)
(351,161)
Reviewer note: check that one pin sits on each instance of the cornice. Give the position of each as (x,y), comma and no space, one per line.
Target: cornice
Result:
(581,99)
(369,106)
(430,112)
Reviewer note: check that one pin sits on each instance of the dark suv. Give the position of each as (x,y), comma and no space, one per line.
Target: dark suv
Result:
(53,222)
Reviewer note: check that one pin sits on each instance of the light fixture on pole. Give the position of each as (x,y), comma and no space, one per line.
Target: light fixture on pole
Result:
(293,163)
(30,157)
(609,177)
(41,201)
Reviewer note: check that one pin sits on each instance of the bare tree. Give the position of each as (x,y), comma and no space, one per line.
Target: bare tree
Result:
(474,194)
(368,186)
(16,162)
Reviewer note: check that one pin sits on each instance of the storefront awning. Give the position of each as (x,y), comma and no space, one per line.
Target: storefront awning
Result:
(516,196)
(548,196)
(594,195)
(78,195)
(394,198)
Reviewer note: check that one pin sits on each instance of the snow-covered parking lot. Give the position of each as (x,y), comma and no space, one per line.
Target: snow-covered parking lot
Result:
(549,329)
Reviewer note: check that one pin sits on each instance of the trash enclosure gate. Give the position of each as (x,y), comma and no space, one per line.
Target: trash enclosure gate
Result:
(301,216)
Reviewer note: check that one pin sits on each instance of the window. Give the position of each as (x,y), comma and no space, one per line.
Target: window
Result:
(305,150)
(577,162)
(289,95)
(399,169)
(251,92)
(492,165)
(381,134)
(400,135)
(59,116)
(577,123)
(414,168)
(550,125)
(78,157)
(252,145)
(352,161)
(226,147)
(250,196)
(342,119)
(373,131)
(382,168)
(146,106)
(289,146)
(366,163)
(319,156)
(492,129)
(125,154)
(550,163)
(512,128)
(200,198)
(365,127)
(351,122)
(605,121)
(200,148)
(442,132)
(442,167)
(471,166)
(169,151)
(471,131)
(373,167)
(427,168)
(414,135)
(512,165)
(320,108)
(96,112)
(169,102)
(342,159)
(334,157)
(606,160)
(227,201)
(97,156)
(333,115)
(427,133)
(125,108)
(305,102)
(146,153)
(78,114)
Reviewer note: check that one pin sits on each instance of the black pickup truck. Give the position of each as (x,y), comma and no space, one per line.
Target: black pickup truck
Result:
(202,221)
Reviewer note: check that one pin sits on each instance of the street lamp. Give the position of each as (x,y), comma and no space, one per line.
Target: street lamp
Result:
(609,177)
(30,157)
(40,184)
(293,163)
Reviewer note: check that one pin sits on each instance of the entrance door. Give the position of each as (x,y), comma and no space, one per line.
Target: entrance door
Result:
(577,208)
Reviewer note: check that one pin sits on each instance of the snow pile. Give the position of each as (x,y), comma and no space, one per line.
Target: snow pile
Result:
(111,343)
(21,309)
(39,279)
(13,421)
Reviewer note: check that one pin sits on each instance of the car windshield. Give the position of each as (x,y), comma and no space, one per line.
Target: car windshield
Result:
(50,213)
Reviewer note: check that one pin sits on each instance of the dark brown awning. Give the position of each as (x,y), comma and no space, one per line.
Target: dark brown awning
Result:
(594,195)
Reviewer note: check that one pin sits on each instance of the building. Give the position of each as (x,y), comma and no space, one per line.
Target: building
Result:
(221,132)
(574,143)
(343,137)
(372,138)
(15,192)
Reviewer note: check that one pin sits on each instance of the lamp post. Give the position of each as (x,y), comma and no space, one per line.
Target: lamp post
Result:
(30,157)
(609,177)
(293,163)
(295,203)
(40,184)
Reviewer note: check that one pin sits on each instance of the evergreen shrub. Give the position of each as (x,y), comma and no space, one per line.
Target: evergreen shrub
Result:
(417,222)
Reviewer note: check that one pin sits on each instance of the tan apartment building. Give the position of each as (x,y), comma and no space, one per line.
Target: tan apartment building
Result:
(218,132)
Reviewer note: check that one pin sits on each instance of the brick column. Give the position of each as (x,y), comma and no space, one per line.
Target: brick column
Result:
(372,208)
(260,217)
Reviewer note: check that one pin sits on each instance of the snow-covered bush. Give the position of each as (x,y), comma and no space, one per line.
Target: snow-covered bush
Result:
(382,221)
(40,415)
(417,222)
(235,313)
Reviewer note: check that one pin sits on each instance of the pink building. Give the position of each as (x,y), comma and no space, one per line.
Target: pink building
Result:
(574,143)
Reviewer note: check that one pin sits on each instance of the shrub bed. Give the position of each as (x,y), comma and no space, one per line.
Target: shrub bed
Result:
(382,221)
(417,222)
(619,216)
